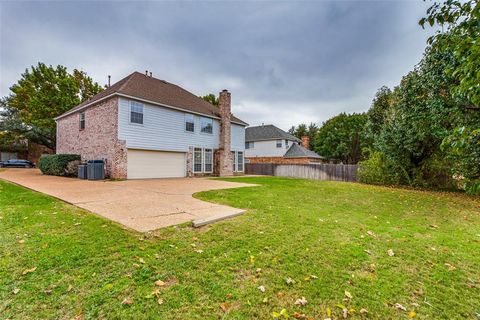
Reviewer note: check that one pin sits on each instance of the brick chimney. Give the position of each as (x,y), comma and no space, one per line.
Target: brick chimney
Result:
(306,142)
(225,161)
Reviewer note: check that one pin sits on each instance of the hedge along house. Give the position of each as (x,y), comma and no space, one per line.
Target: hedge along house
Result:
(145,127)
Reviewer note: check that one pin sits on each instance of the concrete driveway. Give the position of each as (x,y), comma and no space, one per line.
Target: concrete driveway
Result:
(142,205)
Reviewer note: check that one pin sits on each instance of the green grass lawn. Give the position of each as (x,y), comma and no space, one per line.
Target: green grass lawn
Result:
(329,239)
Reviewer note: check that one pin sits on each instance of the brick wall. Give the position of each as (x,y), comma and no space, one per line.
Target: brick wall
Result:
(99,139)
(224,155)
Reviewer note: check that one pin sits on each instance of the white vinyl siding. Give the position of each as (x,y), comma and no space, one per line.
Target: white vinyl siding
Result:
(163,129)
(144,164)
(267,148)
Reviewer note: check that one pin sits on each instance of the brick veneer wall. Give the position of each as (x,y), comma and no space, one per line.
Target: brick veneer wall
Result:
(282,160)
(99,139)
(224,155)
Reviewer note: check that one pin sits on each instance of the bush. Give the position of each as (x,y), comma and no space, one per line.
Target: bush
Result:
(58,164)
(377,170)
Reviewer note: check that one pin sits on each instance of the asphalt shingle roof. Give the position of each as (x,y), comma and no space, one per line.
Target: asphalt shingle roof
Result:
(267,132)
(298,151)
(141,86)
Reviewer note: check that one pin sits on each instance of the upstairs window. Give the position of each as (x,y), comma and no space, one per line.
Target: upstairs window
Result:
(82,120)
(189,122)
(136,112)
(286,143)
(206,125)
(279,143)
(249,145)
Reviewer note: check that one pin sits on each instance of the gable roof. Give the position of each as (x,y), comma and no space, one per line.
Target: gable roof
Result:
(151,90)
(298,151)
(267,132)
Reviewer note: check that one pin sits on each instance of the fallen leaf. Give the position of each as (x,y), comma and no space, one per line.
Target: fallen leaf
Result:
(367,251)
(21,241)
(258,270)
(261,288)
(127,301)
(313,277)
(16,290)
(289,281)
(252,259)
(301,302)
(371,234)
(228,296)
(433,226)
(160,301)
(140,259)
(199,251)
(225,306)
(399,307)
(450,267)
(329,312)
(47,292)
(363,311)
(159,283)
(412,314)
(390,252)
(70,287)
(348,295)
(29,270)
(298,315)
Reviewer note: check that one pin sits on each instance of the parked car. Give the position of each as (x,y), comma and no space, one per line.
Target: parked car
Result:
(17,163)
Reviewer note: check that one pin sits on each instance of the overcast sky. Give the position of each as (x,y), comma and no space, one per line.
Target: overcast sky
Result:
(284,62)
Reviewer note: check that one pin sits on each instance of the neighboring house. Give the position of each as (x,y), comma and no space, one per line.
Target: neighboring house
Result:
(144,127)
(269,144)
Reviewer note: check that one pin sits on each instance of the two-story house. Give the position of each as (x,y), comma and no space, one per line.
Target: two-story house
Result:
(145,127)
(270,144)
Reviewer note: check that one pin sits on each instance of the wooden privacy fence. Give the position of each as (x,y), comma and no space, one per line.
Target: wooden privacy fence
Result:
(318,171)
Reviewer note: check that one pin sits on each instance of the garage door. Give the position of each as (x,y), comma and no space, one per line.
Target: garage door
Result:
(155,164)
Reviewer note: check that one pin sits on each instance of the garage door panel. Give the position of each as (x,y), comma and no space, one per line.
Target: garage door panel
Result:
(143,164)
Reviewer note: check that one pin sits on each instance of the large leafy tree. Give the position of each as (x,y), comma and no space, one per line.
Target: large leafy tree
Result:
(43,93)
(211,98)
(462,38)
(303,130)
(377,114)
(342,137)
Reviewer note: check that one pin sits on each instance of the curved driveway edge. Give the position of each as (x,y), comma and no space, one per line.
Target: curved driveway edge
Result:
(142,205)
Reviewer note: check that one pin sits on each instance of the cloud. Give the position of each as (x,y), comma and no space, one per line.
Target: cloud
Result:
(284,62)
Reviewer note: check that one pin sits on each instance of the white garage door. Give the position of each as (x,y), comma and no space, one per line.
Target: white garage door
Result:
(155,164)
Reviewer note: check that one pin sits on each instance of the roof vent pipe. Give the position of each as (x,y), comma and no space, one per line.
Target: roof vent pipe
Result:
(150,74)
(109,76)
(146,72)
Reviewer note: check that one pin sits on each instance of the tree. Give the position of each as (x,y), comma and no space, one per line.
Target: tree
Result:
(303,130)
(212,99)
(43,93)
(378,111)
(462,38)
(342,137)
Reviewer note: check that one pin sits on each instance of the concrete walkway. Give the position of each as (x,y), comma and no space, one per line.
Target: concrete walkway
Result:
(142,205)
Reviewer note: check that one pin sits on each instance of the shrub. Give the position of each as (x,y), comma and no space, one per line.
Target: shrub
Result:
(377,170)
(58,164)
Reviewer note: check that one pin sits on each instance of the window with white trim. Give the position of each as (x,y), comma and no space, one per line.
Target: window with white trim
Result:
(234,161)
(189,122)
(279,143)
(240,161)
(208,158)
(206,125)
(82,120)
(197,160)
(249,145)
(136,112)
